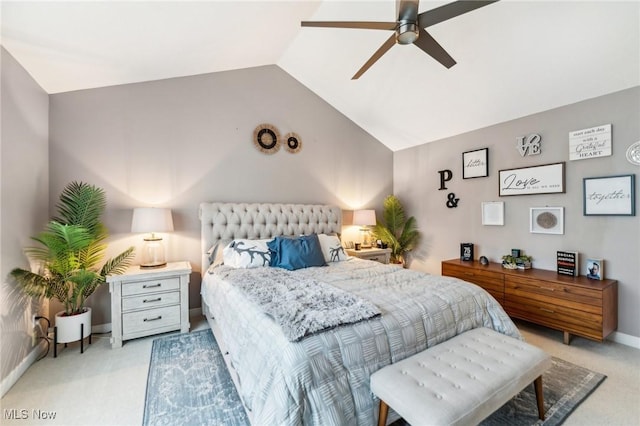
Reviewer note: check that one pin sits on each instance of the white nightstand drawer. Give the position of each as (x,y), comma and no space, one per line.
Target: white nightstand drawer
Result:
(377,258)
(150,286)
(150,301)
(135,322)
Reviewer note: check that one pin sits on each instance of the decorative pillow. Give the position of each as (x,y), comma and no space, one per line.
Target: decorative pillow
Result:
(215,253)
(247,254)
(296,253)
(332,248)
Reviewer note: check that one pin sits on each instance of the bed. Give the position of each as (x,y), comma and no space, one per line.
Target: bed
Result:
(323,378)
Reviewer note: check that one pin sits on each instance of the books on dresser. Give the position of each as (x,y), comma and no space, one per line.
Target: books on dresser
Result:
(567,263)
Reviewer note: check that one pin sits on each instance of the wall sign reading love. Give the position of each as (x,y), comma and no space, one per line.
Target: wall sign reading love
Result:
(543,179)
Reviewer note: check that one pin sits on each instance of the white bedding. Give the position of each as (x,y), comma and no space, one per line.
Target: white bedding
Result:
(324,378)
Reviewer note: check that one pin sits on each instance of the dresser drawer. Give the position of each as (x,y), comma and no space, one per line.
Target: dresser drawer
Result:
(377,258)
(491,281)
(554,290)
(140,321)
(150,301)
(150,286)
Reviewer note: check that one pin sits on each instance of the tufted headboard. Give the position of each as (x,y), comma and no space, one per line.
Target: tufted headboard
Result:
(226,221)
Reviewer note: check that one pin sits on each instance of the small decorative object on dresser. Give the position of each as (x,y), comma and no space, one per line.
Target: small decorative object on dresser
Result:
(483,260)
(377,254)
(522,261)
(595,269)
(149,301)
(466,251)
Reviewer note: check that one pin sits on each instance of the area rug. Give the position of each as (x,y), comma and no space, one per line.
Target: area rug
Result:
(189,384)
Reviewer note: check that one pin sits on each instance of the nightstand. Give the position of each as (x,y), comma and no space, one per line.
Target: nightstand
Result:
(147,301)
(377,254)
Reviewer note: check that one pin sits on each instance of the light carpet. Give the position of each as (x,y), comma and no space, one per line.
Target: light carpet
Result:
(189,383)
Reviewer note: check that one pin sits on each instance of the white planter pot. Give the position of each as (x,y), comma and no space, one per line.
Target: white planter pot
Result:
(69,326)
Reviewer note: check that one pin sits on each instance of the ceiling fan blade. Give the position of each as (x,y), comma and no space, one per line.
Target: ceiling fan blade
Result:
(430,46)
(372,60)
(450,10)
(351,24)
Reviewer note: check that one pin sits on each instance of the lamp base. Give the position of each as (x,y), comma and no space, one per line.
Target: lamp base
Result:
(152,253)
(159,265)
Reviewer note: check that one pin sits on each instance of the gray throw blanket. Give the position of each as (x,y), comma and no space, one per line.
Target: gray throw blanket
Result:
(300,306)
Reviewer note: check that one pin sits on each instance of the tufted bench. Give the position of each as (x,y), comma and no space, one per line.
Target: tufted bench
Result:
(460,381)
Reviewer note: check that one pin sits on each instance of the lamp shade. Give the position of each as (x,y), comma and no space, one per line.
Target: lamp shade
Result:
(151,219)
(364,217)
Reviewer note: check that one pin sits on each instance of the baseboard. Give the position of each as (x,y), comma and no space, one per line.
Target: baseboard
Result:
(625,339)
(27,362)
(101,328)
(194,312)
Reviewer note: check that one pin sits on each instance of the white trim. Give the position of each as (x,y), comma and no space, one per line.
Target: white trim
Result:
(625,339)
(17,372)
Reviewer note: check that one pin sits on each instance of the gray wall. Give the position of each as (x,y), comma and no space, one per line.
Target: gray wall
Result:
(24,201)
(181,141)
(613,238)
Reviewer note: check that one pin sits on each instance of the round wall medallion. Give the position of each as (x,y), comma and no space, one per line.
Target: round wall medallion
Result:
(547,220)
(292,142)
(266,138)
(633,153)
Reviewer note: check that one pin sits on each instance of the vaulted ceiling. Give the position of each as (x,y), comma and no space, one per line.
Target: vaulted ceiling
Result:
(514,58)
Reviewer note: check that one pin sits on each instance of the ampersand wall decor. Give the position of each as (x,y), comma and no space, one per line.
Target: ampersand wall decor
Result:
(452,201)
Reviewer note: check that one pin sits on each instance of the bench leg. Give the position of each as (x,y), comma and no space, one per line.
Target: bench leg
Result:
(539,397)
(382,414)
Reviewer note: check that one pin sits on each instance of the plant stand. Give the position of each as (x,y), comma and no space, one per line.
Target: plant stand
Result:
(55,340)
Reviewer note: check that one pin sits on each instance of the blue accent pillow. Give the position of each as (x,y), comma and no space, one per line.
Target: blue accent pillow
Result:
(296,253)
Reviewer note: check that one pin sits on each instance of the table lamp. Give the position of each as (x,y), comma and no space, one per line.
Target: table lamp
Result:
(151,220)
(365,218)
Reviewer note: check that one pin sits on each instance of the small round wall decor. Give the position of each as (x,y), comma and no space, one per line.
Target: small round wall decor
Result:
(266,138)
(292,142)
(633,153)
(547,220)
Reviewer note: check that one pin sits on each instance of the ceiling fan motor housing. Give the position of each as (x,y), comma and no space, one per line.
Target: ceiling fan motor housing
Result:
(407,32)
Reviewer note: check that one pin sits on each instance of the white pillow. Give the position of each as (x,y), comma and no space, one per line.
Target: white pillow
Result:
(332,248)
(247,254)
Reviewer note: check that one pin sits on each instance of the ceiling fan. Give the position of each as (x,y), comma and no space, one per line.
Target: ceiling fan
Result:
(409,28)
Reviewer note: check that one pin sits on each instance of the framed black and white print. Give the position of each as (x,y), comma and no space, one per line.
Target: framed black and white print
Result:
(609,196)
(546,220)
(475,163)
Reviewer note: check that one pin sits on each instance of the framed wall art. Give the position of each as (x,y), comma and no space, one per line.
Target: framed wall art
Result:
(475,163)
(493,213)
(609,196)
(546,220)
(542,179)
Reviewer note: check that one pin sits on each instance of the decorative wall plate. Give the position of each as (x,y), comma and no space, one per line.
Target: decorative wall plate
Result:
(633,153)
(292,142)
(266,138)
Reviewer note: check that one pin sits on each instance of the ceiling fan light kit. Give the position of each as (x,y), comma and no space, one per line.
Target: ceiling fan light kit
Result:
(410,28)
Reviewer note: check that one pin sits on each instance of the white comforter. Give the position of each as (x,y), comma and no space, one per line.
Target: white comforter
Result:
(324,378)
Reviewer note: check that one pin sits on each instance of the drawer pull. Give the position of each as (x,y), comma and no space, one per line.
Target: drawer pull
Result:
(548,288)
(159,317)
(152,286)
(152,300)
(547,310)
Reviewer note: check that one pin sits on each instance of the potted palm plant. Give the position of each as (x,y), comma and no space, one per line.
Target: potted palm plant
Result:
(397,231)
(70,250)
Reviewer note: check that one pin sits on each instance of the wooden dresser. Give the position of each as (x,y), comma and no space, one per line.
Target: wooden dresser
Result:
(574,305)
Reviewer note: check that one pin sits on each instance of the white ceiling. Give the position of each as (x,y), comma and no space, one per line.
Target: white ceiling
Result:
(515,58)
